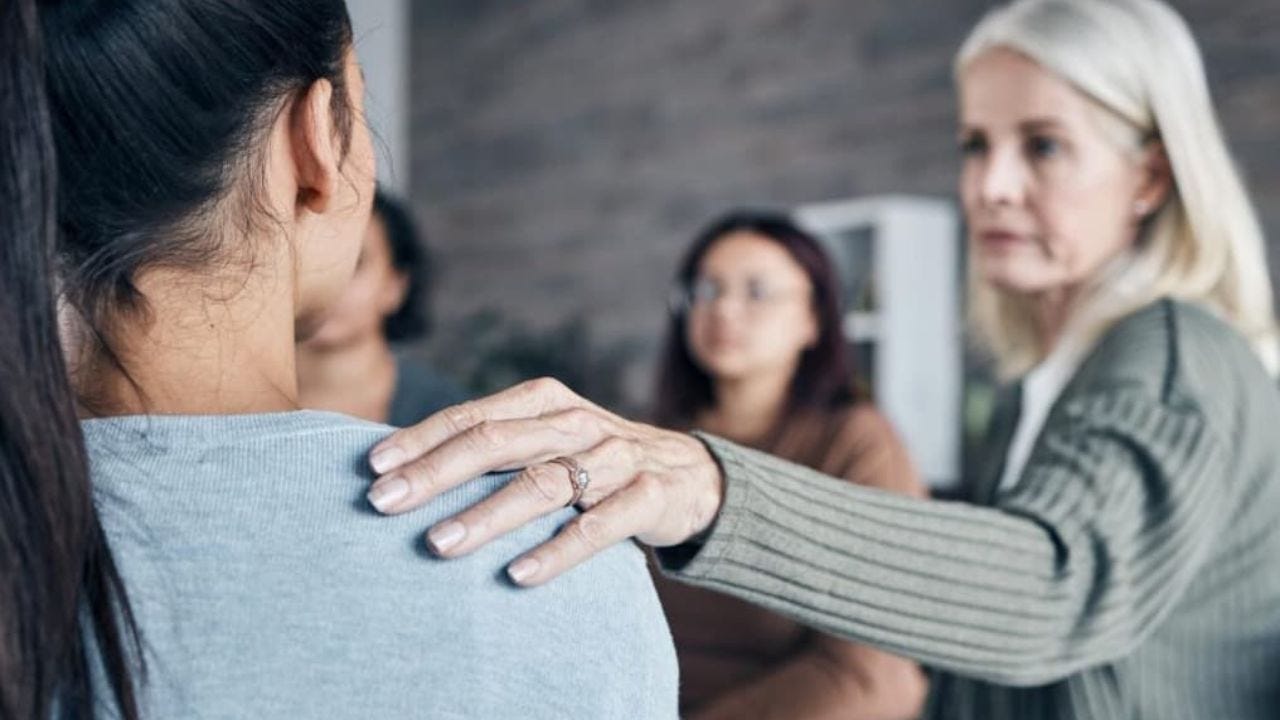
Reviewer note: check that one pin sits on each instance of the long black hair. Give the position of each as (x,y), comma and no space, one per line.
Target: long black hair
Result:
(824,378)
(54,561)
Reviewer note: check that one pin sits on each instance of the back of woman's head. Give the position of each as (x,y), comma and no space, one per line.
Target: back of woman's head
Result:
(159,110)
(1139,61)
(824,377)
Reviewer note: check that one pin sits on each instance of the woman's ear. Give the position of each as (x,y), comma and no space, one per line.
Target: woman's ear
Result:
(1156,182)
(315,147)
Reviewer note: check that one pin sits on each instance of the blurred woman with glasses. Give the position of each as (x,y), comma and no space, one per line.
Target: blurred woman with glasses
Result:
(754,352)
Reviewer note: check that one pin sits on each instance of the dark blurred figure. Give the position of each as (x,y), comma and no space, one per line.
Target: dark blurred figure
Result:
(349,365)
(754,353)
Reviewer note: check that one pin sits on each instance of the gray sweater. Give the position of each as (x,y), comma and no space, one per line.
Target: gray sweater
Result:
(266,588)
(1133,572)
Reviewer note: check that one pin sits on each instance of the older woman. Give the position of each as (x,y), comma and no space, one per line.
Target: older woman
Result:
(1123,563)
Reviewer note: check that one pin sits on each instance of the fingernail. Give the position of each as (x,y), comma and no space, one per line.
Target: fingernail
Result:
(523,569)
(388,458)
(386,493)
(446,535)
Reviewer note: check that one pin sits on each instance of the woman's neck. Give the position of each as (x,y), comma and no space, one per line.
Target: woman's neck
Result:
(746,409)
(1052,311)
(357,379)
(202,347)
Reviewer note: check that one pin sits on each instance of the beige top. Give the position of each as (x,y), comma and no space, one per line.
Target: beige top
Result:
(738,660)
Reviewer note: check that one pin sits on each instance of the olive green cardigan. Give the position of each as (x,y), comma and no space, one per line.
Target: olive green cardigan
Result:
(1132,572)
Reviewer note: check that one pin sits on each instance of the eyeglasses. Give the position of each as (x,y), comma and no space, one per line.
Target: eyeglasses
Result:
(756,294)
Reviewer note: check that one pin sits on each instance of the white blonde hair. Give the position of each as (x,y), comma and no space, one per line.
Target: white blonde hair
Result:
(1138,60)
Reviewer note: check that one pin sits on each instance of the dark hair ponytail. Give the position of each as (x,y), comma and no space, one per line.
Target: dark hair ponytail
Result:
(55,567)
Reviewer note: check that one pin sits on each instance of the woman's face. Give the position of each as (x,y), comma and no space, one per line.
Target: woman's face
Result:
(375,292)
(751,310)
(1053,186)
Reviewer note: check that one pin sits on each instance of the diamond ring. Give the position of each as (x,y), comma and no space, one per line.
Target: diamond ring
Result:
(578,477)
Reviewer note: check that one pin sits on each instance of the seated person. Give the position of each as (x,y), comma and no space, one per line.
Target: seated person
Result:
(755,353)
(348,365)
(215,179)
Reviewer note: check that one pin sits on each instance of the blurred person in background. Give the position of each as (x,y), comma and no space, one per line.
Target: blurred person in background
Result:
(755,353)
(351,365)
(1123,563)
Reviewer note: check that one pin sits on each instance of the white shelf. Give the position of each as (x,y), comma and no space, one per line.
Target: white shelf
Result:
(900,255)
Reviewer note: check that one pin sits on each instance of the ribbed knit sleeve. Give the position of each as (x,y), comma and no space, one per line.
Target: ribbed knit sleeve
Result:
(1111,519)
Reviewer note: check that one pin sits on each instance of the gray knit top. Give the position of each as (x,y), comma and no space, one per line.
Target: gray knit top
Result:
(266,587)
(1132,572)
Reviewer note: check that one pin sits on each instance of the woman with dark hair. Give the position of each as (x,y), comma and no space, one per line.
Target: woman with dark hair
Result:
(754,353)
(216,175)
(56,568)
(385,303)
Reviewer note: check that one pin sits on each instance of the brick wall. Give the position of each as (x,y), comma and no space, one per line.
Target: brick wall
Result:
(564,151)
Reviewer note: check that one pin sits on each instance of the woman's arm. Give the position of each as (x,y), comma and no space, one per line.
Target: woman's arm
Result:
(1121,500)
(1112,518)
(832,677)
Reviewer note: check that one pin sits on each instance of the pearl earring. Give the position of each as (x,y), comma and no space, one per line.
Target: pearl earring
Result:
(1140,207)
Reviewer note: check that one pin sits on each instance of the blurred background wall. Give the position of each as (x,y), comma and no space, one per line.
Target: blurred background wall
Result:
(381,29)
(561,153)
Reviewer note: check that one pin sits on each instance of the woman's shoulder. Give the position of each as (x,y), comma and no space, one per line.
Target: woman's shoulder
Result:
(1176,357)
(865,448)
(239,521)
(863,422)
(1168,349)
(1173,321)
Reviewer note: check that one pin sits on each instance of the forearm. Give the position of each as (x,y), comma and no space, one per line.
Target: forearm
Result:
(1020,595)
(864,565)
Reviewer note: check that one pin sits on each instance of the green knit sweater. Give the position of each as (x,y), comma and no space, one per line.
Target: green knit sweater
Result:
(1132,572)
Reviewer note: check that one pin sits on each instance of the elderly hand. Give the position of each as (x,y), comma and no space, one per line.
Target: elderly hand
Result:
(659,486)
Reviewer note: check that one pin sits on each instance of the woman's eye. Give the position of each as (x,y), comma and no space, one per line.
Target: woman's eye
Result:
(757,291)
(1042,147)
(973,145)
(704,292)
